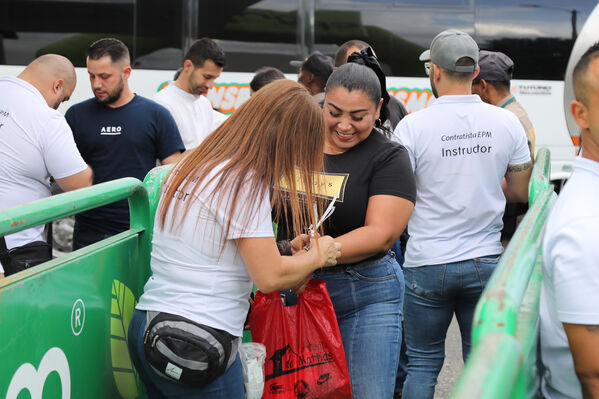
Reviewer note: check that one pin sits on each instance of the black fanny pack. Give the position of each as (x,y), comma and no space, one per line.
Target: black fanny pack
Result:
(20,258)
(187,352)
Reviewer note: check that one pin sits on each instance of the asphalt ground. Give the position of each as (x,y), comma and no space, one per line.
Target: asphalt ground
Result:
(453,362)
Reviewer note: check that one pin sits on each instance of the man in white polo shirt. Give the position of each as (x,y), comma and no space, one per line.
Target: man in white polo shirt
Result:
(570,295)
(35,139)
(468,157)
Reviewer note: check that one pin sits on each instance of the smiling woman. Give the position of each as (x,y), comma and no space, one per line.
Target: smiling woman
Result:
(374,205)
(348,121)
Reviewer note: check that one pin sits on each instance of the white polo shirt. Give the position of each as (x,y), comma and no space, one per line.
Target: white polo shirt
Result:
(193,114)
(570,292)
(35,143)
(460,148)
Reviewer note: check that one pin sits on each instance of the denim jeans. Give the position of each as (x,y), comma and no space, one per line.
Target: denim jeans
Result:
(227,386)
(367,297)
(433,295)
(402,369)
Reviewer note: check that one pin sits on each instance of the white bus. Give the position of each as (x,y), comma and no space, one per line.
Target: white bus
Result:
(539,37)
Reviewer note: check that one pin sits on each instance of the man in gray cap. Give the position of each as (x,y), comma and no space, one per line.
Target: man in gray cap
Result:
(314,73)
(493,87)
(461,150)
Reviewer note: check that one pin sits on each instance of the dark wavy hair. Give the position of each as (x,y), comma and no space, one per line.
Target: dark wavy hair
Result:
(264,76)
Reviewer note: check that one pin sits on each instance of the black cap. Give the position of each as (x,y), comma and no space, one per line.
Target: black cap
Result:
(495,66)
(319,64)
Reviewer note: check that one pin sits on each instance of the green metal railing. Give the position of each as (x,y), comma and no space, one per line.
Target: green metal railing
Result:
(153,183)
(502,363)
(46,210)
(64,323)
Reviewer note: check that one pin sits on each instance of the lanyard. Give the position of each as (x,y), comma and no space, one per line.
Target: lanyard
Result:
(508,102)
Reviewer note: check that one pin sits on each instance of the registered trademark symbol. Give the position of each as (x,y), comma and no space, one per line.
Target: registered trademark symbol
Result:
(77,317)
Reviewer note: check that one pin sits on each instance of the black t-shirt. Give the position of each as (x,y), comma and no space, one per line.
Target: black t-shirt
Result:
(396,111)
(376,166)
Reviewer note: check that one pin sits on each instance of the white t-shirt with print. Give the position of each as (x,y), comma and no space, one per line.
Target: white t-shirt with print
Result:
(570,292)
(193,114)
(460,148)
(191,277)
(35,143)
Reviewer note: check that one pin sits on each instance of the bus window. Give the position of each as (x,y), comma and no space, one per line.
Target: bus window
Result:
(398,34)
(434,3)
(520,28)
(32,28)
(264,33)
(160,33)
(154,30)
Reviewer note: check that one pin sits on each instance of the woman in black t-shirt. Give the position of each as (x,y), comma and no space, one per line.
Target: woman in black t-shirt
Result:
(373,180)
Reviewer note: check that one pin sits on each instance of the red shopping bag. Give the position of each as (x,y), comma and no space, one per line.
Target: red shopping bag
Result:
(304,352)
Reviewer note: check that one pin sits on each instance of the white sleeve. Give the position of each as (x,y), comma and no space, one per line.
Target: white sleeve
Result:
(219,118)
(521,153)
(60,152)
(574,255)
(402,135)
(251,220)
(160,99)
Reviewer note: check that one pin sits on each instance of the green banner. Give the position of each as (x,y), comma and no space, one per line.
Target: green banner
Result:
(64,329)
(64,324)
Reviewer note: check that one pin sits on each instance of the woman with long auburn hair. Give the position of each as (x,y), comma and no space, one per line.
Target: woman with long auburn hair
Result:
(213,235)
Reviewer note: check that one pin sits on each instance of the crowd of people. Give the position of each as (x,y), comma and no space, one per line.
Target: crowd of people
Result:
(420,202)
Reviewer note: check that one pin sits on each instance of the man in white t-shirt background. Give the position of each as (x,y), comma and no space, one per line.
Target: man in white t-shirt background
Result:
(185,98)
(569,308)
(35,139)
(468,158)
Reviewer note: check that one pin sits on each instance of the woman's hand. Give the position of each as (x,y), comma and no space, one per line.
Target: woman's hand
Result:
(328,250)
(272,272)
(298,289)
(299,243)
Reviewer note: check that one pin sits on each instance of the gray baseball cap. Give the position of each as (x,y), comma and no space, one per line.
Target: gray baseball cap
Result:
(495,66)
(448,47)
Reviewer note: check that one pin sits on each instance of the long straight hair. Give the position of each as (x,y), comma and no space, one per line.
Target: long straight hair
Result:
(274,141)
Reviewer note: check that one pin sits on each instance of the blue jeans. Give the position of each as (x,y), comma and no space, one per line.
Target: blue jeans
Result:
(227,386)
(367,297)
(433,295)
(402,369)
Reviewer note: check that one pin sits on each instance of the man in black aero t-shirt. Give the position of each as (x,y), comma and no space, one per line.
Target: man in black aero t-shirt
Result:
(119,134)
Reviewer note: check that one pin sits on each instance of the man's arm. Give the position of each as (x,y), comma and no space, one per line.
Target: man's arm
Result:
(515,184)
(174,158)
(584,345)
(78,180)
